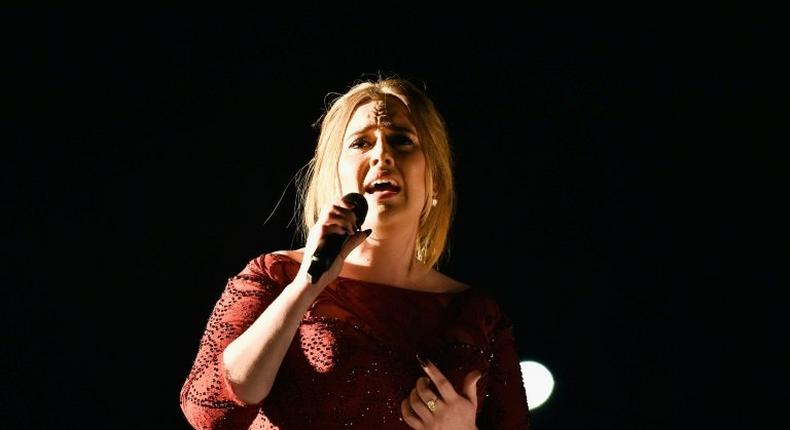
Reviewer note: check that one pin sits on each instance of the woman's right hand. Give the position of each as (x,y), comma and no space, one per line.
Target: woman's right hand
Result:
(337,218)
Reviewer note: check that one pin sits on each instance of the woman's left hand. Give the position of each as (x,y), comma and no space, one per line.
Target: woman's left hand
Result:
(447,409)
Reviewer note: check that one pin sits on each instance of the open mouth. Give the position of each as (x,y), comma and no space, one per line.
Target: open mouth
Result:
(382,186)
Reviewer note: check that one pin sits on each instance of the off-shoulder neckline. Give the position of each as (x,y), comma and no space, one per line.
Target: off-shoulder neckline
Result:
(345,279)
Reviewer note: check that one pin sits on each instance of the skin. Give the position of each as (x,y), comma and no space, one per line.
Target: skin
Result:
(454,410)
(380,140)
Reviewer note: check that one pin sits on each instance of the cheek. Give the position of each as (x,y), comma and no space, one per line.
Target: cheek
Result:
(350,169)
(417,171)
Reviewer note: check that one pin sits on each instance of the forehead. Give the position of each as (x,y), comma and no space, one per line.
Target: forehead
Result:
(389,112)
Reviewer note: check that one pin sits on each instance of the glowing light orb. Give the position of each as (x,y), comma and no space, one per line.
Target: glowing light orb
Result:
(538,382)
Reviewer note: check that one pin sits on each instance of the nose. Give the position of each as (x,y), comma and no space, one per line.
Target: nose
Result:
(381,153)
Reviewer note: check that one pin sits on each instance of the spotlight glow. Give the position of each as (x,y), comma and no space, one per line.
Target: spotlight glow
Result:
(538,382)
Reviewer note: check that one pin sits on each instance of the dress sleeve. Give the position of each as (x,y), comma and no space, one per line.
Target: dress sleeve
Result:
(506,404)
(207,400)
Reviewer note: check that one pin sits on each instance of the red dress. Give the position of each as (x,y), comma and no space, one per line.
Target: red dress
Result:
(352,360)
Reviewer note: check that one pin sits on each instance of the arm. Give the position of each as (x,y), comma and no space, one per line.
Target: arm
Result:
(247,335)
(251,329)
(252,360)
(506,407)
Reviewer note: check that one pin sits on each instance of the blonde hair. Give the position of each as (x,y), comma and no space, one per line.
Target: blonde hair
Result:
(320,184)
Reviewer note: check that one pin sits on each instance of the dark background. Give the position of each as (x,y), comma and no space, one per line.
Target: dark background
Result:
(603,173)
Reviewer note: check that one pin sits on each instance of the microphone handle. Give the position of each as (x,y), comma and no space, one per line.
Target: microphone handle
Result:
(325,254)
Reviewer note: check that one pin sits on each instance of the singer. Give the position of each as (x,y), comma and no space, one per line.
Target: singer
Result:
(378,338)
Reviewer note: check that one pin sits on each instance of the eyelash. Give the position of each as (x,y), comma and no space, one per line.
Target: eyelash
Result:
(358,143)
(398,141)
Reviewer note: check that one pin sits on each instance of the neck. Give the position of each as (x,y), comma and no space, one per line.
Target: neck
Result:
(387,257)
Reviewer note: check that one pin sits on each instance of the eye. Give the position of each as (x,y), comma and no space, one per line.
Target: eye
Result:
(359,143)
(401,140)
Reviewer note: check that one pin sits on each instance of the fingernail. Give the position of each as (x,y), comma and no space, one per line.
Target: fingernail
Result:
(421,361)
(368,231)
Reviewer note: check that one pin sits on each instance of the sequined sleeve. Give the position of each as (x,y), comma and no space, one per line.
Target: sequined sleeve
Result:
(506,406)
(206,397)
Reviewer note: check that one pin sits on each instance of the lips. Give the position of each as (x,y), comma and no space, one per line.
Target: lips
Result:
(382,185)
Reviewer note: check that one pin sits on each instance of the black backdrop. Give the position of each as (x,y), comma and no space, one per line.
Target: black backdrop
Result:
(154,145)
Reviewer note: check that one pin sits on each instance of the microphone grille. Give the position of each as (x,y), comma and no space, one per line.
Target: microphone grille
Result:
(360,206)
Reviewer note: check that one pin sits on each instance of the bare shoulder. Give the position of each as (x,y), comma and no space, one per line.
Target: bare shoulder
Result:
(294,254)
(439,282)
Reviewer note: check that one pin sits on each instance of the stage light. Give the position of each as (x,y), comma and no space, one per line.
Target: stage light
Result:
(538,382)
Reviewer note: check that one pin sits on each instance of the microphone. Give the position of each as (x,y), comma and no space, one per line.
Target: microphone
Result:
(329,247)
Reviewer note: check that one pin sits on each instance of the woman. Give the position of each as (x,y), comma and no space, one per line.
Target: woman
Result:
(380,340)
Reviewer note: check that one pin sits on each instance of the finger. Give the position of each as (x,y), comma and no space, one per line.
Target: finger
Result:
(424,390)
(470,386)
(320,232)
(342,216)
(348,204)
(418,406)
(441,383)
(338,229)
(338,226)
(339,207)
(353,242)
(408,415)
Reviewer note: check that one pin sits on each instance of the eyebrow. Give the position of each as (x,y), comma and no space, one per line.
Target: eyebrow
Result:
(395,128)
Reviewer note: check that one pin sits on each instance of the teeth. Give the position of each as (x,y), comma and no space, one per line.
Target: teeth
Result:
(378,182)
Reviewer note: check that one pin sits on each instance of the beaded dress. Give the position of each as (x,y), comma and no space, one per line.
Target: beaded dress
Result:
(352,360)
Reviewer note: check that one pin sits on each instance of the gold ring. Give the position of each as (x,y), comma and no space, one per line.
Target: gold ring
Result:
(431,404)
